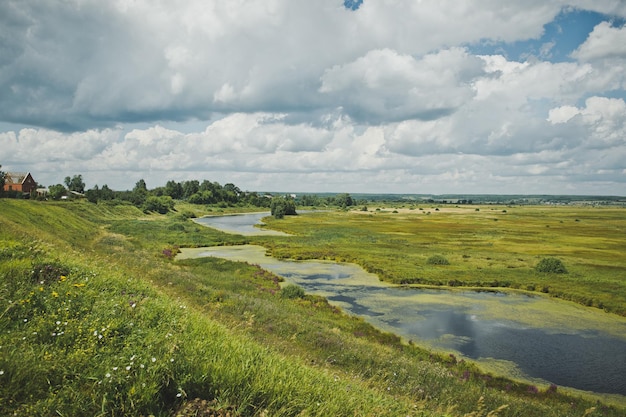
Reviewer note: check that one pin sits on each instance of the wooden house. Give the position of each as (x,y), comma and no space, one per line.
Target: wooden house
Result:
(19,182)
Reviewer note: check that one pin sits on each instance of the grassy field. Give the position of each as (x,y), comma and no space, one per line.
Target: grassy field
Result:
(485,246)
(96,318)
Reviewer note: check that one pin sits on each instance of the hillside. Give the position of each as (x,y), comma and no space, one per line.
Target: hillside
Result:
(96,318)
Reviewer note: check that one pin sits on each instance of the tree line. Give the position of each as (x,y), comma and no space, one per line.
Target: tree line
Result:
(161,199)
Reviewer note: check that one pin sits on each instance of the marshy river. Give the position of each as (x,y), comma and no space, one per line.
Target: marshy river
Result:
(530,337)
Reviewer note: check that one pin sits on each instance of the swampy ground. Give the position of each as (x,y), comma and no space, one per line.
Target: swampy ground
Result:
(485,246)
(97,318)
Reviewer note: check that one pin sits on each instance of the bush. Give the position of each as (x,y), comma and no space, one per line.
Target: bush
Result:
(292,291)
(161,204)
(551,265)
(437,260)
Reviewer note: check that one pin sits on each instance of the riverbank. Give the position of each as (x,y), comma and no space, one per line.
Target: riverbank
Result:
(217,330)
(509,334)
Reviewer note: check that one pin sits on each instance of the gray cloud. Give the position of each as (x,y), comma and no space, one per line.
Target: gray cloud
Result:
(309,95)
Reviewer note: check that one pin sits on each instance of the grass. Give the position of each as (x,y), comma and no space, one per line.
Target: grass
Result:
(481,252)
(96,319)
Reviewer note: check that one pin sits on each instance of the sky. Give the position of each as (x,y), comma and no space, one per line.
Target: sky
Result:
(360,96)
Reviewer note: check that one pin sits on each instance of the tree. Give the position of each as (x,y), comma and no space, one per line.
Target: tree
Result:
(2,174)
(57,191)
(202,197)
(93,194)
(139,193)
(140,186)
(281,207)
(190,188)
(106,193)
(174,189)
(75,183)
(344,200)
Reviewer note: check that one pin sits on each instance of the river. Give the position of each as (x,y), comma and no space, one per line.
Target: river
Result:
(529,337)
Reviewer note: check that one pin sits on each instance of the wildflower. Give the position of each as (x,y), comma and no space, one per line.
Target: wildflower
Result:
(1,372)
(58,322)
(108,375)
(63,278)
(128,368)
(55,294)
(153,359)
(115,368)
(142,366)
(79,285)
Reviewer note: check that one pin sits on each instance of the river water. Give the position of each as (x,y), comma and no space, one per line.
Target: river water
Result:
(528,337)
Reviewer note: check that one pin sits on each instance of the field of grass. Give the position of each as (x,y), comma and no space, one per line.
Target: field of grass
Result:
(96,318)
(485,246)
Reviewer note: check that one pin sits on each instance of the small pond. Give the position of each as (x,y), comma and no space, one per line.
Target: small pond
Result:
(528,337)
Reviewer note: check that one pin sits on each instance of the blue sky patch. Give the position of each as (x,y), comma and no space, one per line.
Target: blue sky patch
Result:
(561,37)
(352,4)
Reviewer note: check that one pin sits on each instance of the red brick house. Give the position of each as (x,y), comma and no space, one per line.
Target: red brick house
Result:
(19,182)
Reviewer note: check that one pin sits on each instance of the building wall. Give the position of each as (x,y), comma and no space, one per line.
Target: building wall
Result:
(27,185)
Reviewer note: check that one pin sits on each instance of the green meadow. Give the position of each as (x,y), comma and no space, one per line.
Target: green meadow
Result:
(481,246)
(97,318)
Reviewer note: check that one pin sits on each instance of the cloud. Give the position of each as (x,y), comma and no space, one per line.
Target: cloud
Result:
(603,120)
(386,86)
(293,94)
(605,41)
(150,61)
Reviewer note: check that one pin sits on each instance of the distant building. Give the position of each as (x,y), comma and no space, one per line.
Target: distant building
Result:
(19,182)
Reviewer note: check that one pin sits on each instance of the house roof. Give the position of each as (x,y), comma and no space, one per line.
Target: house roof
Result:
(15,177)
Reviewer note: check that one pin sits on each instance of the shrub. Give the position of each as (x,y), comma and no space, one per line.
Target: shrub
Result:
(292,291)
(161,204)
(437,260)
(551,265)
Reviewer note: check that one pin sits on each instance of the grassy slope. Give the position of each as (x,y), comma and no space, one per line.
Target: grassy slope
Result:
(110,326)
(493,247)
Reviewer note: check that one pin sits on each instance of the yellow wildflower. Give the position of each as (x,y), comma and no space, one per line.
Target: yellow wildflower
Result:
(55,294)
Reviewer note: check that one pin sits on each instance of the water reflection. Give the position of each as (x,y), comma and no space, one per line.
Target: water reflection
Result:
(556,341)
(243,224)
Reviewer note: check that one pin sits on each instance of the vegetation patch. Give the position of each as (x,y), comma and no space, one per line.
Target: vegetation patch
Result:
(292,291)
(132,332)
(551,265)
(437,260)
